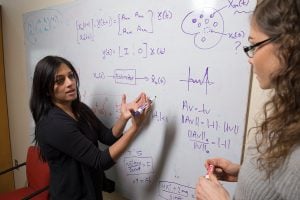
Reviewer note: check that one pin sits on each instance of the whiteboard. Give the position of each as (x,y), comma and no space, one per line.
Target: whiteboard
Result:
(187,54)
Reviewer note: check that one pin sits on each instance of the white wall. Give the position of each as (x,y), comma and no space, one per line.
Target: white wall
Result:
(15,74)
(16,82)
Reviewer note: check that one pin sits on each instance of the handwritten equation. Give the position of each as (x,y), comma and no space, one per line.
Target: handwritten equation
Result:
(201,142)
(193,108)
(175,191)
(129,77)
(210,124)
(126,23)
(138,165)
(143,51)
(106,106)
(47,21)
(138,168)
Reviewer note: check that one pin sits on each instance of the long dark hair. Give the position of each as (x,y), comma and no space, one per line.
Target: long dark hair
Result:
(43,85)
(280,130)
(42,88)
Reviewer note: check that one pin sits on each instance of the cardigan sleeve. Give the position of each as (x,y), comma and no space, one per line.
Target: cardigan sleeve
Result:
(104,134)
(61,132)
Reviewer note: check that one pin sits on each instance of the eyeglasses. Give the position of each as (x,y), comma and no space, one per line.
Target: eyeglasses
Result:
(250,50)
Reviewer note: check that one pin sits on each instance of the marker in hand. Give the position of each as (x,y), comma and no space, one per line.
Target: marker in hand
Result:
(142,108)
(209,170)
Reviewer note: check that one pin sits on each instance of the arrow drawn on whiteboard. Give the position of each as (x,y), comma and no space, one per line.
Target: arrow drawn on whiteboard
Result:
(145,78)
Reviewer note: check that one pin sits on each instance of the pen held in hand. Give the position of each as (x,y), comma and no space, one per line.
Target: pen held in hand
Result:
(209,170)
(142,108)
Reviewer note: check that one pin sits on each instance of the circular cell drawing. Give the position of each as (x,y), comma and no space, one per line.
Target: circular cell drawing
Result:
(206,25)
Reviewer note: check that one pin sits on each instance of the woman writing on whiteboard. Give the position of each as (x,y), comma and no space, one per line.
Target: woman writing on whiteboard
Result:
(67,131)
(271,166)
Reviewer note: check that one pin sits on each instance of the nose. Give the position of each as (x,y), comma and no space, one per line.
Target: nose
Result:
(69,81)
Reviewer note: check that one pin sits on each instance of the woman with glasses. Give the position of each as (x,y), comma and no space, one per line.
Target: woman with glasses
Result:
(271,166)
(67,131)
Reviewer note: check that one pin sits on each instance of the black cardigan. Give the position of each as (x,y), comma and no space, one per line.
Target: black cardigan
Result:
(71,148)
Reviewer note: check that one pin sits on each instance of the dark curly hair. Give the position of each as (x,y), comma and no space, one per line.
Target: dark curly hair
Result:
(279,133)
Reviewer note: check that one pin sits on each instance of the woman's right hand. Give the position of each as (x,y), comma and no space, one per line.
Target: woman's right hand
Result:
(137,120)
(128,108)
(224,169)
(127,111)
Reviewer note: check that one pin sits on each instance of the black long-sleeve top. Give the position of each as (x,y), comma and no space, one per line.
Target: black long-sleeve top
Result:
(71,148)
